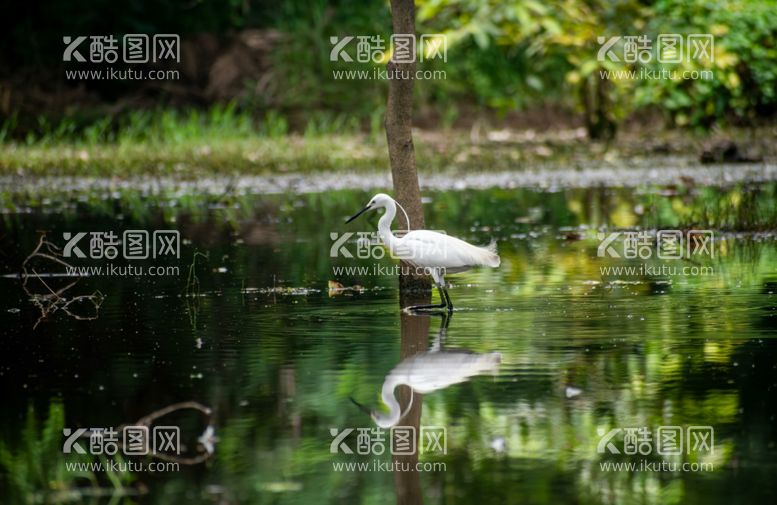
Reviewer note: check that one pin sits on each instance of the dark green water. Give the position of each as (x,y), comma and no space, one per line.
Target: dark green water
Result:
(262,341)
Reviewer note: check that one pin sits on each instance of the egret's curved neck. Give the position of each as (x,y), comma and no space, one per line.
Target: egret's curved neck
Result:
(395,411)
(384,225)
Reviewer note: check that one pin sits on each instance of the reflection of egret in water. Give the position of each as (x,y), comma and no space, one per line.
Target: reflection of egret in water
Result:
(430,371)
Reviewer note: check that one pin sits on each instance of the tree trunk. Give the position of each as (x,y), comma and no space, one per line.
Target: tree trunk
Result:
(399,122)
(415,339)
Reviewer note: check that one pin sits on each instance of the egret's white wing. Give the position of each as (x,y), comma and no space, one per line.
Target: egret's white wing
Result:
(436,250)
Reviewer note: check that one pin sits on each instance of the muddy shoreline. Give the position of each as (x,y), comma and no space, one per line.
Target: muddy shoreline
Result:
(24,188)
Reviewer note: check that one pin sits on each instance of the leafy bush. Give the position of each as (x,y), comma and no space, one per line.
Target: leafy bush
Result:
(745,62)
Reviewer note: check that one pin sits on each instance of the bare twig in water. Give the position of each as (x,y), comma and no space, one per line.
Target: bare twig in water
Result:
(49,300)
(205,442)
(192,291)
(192,281)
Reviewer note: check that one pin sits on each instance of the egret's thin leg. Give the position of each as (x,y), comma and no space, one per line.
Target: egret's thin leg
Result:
(446,321)
(444,291)
(439,340)
(448,301)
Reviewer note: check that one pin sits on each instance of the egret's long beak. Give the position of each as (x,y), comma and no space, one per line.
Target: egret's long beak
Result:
(365,209)
(361,407)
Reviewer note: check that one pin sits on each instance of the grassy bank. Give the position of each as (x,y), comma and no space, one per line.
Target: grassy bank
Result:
(222,141)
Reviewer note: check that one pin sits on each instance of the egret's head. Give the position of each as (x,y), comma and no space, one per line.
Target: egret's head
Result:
(381,200)
(373,414)
(384,420)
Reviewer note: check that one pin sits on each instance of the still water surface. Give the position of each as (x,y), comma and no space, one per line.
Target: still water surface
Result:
(558,352)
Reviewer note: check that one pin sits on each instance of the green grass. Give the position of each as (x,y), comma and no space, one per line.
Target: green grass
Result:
(193,158)
(187,143)
(191,143)
(225,141)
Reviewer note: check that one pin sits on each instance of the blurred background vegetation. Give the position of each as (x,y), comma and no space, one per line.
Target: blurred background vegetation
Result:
(527,64)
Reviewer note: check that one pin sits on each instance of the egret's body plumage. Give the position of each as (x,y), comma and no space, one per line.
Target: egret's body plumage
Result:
(436,253)
(431,249)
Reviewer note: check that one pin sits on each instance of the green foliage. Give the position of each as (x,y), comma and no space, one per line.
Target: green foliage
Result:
(301,63)
(502,56)
(37,462)
(557,41)
(745,75)
(35,466)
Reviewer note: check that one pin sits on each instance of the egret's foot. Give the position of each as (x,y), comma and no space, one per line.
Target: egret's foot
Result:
(444,304)
(427,308)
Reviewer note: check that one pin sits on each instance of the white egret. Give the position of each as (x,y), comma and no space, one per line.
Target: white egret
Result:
(436,253)
(430,371)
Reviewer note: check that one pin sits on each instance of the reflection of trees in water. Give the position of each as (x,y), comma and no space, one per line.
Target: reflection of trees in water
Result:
(38,469)
(415,339)
(677,204)
(673,368)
